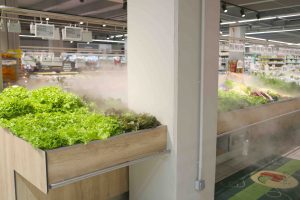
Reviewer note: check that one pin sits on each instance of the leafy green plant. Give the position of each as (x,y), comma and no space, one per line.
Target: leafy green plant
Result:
(278,84)
(49,118)
(15,102)
(53,130)
(232,100)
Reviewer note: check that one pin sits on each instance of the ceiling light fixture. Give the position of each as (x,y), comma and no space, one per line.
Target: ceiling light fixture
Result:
(107,37)
(274,31)
(227,23)
(71,42)
(224,7)
(257,15)
(109,41)
(255,38)
(248,20)
(80,22)
(47,19)
(28,36)
(243,12)
(104,25)
(280,42)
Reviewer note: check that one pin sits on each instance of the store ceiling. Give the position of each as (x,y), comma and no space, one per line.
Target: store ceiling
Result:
(266,8)
(105,9)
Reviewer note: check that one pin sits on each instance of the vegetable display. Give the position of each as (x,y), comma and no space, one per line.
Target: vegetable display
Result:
(235,96)
(49,118)
(275,83)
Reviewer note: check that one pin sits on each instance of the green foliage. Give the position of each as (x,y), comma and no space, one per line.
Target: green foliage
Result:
(232,100)
(53,130)
(54,99)
(18,101)
(14,102)
(49,118)
(132,122)
(278,84)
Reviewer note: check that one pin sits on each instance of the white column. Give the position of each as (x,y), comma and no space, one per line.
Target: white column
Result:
(172,74)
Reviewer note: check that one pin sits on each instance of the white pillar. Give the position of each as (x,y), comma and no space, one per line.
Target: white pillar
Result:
(172,74)
(151,88)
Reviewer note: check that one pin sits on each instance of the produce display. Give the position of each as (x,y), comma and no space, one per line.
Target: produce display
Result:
(50,117)
(277,84)
(233,95)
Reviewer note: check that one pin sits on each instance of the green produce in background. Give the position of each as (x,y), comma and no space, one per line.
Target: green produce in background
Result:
(232,100)
(278,84)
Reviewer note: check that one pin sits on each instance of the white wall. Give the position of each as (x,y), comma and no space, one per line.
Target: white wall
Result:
(165,77)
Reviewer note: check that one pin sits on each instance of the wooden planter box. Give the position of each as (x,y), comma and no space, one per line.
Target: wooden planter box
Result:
(239,118)
(45,168)
(274,124)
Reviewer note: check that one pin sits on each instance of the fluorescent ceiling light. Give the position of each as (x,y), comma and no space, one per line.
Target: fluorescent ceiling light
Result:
(255,38)
(226,23)
(262,19)
(266,18)
(274,31)
(225,35)
(29,36)
(248,20)
(256,20)
(280,42)
(109,41)
(291,15)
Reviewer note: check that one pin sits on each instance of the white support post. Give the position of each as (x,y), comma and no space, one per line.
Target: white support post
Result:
(172,74)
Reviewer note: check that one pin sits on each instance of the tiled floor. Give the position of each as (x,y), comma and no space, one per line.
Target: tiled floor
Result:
(268,179)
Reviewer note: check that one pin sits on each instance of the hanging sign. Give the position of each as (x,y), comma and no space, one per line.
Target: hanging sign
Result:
(44,31)
(87,36)
(72,33)
(14,27)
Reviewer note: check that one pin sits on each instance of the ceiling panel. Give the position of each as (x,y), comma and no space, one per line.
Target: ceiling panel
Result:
(93,8)
(266,8)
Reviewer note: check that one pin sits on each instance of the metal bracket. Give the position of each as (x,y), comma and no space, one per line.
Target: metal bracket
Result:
(200,185)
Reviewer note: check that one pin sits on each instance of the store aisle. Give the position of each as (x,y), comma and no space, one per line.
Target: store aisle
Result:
(279,179)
